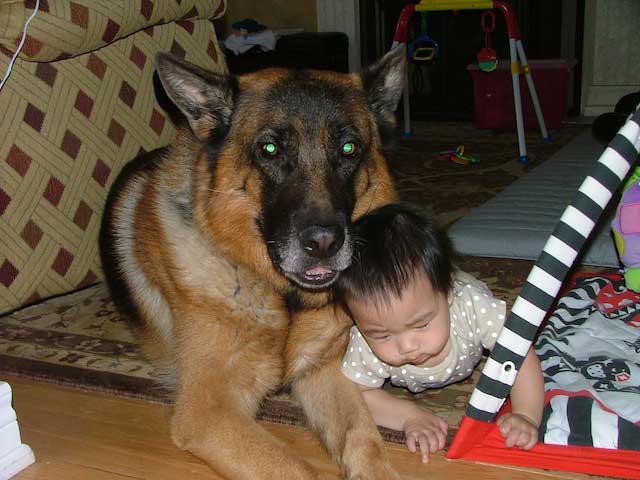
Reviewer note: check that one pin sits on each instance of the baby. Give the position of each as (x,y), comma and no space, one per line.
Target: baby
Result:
(422,324)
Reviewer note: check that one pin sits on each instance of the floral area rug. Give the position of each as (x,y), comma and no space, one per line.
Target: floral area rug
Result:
(450,190)
(80,340)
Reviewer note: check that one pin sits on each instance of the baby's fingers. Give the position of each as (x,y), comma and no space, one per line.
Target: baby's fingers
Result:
(524,439)
(527,439)
(506,428)
(442,436)
(511,437)
(414,439)
(432,441)
(410,441)
(429,443)
(444,426)
(423,441)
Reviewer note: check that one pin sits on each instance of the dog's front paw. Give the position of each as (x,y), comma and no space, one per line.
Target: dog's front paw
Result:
(367,460)
(389,474)
(376,471)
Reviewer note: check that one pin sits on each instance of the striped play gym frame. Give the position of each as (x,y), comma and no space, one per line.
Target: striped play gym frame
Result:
(546,277)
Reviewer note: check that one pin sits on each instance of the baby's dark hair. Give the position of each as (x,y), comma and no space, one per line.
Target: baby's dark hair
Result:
(393,244)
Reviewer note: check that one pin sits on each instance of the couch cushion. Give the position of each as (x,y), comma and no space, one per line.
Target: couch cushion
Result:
(67,129)
(63,29)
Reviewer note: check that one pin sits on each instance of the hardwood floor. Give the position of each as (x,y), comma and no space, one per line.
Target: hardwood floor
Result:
(79,435)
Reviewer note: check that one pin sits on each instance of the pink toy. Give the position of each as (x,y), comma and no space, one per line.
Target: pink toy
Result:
(626,230)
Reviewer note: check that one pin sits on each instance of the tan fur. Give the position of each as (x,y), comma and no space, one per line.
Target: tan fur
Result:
(206,288)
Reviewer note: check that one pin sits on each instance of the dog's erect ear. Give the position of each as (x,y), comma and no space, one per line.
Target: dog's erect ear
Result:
(383,82)
(206,99)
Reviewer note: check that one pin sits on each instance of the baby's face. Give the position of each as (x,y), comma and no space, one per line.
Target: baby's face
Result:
(411,329)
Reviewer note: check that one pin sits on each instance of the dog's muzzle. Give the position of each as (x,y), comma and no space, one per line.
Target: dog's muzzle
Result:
(314,257)
(321,243)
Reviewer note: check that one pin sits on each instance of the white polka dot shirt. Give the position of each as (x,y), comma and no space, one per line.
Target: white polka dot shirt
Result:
(476,319)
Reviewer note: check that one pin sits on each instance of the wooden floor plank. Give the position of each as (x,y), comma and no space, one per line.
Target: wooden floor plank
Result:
(86,435)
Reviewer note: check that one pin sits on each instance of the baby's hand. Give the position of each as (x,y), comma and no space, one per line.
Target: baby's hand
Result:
(425,431)
(518,431)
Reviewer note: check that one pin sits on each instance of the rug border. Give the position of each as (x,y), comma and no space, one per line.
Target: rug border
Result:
(273,410)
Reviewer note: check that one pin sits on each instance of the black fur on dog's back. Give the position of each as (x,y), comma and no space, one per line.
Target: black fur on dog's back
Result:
(111,266)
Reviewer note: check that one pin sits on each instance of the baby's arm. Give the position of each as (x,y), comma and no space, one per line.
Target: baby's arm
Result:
(422,429)
(520,427)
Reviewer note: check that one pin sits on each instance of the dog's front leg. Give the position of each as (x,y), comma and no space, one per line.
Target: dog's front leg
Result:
(225,372)
(337,411)
(332,403)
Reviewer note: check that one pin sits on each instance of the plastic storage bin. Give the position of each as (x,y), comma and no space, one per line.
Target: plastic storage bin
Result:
(493,94)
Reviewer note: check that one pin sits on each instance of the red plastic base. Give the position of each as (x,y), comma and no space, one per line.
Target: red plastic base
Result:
(482,442)
(493,106)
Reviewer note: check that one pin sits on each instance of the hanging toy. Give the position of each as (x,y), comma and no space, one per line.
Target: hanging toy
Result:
(626,230)
(487,58)
(423,48)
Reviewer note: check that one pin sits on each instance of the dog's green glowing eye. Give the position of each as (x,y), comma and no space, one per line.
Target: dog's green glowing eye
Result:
(349,148)
(270,148)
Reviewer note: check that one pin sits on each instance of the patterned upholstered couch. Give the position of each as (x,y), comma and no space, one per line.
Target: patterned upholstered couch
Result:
(77,106)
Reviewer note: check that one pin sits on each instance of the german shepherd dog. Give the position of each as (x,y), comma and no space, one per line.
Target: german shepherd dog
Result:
(224,245)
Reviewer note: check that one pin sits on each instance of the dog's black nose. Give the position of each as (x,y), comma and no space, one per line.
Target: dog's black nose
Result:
(322,242)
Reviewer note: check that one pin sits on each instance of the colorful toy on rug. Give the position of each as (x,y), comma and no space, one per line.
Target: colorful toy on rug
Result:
(458,156)
(487,57)
(626,230)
